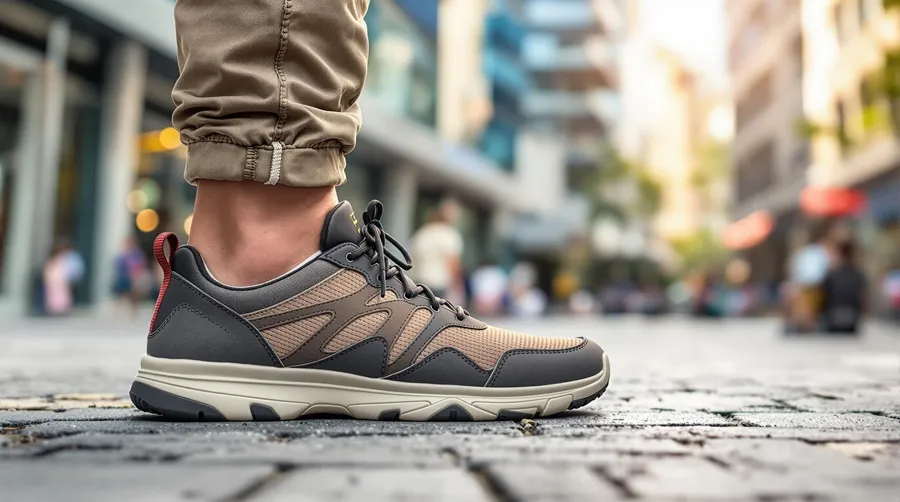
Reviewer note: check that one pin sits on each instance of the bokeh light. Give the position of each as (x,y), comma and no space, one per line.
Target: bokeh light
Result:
(169,138)
(187,224)
(147,220)
(136,201)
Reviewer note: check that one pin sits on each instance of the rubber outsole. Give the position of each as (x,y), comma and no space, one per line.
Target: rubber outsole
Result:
(189,394)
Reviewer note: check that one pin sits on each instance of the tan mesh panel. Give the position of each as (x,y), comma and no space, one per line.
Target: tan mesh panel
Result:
(485,347)
(340,285)
(411,330)
(287,338)
(358,330)
(389,296)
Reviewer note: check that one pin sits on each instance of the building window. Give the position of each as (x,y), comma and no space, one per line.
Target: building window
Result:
(756,172)
(755,101)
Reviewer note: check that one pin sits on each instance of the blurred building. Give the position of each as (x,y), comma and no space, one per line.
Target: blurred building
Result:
(815,119)
(854,98)
(674,120)
(86,152)
(570,53)
(771,155)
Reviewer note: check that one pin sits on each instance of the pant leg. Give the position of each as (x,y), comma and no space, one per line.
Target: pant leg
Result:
(268,88)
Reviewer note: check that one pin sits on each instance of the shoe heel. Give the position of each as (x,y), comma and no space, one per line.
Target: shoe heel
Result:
(159,402)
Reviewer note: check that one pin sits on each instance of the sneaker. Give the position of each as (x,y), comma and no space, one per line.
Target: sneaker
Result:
(347,333)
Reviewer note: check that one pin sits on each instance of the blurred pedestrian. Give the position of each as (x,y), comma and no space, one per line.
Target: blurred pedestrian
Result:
(807,273)
(62,271)
(525,298)
(437,249)
(133,279)
(891,290)
(489,288)
(844,291)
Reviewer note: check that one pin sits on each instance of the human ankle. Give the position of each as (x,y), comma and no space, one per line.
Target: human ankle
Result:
(249,233)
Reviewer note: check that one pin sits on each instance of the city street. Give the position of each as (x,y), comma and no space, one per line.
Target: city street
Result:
(695,411)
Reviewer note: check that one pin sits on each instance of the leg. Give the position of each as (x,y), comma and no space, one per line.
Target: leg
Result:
(266,103)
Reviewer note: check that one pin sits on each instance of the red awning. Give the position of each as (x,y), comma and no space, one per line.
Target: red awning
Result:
(748,232)
(819,201)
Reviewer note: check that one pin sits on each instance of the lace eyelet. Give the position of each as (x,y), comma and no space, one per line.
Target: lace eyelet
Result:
(438,309)
(408,296)
(458,318)
(351,258)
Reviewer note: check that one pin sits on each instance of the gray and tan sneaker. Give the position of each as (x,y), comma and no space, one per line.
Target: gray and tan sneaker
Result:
(345,333)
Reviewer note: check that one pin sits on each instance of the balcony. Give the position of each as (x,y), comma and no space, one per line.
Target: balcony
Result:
(572,15)
(590,63)
(600,105)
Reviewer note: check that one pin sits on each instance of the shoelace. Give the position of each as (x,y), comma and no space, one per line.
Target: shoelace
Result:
(373,246)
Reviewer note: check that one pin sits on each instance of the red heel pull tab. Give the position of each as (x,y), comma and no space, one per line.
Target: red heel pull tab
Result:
(164,259)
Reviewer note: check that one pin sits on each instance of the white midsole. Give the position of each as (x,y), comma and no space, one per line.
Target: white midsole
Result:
(292,392)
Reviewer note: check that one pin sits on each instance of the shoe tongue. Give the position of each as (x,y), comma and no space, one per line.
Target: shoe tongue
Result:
(341,226)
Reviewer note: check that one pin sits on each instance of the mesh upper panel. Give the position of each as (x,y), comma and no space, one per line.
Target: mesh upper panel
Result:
(287,338)
(339,285)
(485,347)
(413,327)
(389,296)
(358,330)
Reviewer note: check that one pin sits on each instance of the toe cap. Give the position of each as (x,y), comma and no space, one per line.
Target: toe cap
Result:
(526,368)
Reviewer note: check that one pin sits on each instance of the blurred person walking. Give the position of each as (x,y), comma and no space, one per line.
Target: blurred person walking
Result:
(283,285)
(843,291)
(490,285)
(437,249)
(890,288)
(133,280)
(62,271)
(808,269)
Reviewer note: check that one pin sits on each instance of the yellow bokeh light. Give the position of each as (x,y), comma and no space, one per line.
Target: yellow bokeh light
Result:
(187,224)
(137,200)
(169,138)
(147,220)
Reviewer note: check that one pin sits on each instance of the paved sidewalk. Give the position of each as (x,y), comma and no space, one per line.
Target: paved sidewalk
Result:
(695,411)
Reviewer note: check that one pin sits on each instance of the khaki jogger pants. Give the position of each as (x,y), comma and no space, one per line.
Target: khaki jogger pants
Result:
(268,89)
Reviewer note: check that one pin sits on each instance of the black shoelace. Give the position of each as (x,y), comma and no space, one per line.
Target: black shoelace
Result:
(373,246)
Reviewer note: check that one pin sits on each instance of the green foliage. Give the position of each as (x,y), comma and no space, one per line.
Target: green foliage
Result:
(649,193)
(812,130)
(714,165)
(874,118)
(891,4)
(613,168)
(700,251)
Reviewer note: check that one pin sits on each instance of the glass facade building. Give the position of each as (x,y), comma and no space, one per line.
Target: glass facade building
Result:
(509,81)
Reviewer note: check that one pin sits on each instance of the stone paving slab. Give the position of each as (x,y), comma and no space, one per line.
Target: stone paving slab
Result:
(849,421)
(536,483)
(376,485)
(79,482)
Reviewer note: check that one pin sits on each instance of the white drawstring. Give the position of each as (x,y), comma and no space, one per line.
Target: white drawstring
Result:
(275,171)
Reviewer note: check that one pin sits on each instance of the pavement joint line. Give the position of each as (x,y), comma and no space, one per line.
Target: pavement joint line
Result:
(619,484)
(259,486)
(490,484)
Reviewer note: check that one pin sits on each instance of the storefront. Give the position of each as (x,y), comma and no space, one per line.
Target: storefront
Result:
(71,105)
(881,230)
(49,119)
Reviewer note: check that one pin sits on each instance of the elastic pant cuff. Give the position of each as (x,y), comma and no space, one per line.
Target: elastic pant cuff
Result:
(300,167)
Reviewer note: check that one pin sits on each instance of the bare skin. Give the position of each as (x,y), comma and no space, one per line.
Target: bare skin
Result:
(249,233)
